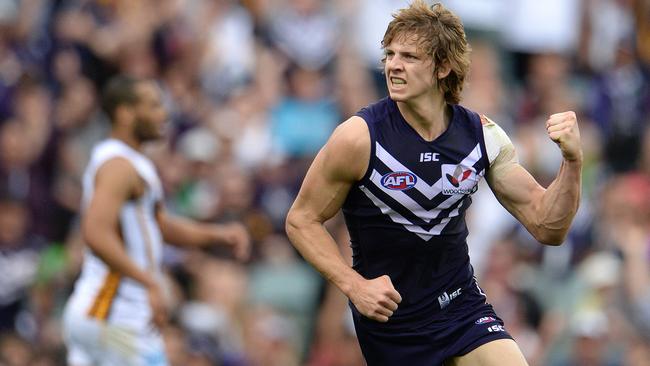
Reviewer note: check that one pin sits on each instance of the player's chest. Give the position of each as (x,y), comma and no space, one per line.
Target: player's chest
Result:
(429,169)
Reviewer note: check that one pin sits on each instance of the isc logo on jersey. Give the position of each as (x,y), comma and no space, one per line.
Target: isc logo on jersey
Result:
(457,179)
(399,181)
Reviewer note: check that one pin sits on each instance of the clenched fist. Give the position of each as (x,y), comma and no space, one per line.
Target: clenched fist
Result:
(376,299)
(235,236)
(563,129)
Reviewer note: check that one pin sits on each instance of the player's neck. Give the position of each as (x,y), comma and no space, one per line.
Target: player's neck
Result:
(429,117)
(127,139)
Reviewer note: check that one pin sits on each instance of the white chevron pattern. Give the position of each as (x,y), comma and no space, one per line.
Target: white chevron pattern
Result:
(399,219)
(429,191)
(410,204)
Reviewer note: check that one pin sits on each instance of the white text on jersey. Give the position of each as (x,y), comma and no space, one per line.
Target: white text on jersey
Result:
(429,156)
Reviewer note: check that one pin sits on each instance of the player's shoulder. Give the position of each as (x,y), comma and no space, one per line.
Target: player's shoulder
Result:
(476,120)
(497,142)
(377,111)
(379,105)
(348,149)
(486,121)
(352,134)
(490,127)
(116,168)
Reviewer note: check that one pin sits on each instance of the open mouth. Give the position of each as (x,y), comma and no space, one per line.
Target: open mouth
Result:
(397,81)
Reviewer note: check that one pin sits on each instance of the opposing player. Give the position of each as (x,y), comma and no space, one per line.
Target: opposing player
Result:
(116,310)
(403,170)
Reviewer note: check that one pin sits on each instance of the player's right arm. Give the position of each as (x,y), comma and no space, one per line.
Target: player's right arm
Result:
(546,213)
(116,181)
(340,163)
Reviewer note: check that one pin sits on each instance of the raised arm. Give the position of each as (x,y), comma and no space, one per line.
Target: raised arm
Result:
(341,162)
(546,213)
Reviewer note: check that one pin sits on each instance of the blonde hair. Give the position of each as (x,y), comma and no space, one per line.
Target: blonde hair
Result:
(441,36)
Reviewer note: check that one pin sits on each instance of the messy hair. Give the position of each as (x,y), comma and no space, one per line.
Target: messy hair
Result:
(441,36)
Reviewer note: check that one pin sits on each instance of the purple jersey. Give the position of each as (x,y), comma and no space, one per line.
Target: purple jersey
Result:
(406,216)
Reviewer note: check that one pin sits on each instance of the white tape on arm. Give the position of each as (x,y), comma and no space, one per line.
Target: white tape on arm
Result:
(501,152)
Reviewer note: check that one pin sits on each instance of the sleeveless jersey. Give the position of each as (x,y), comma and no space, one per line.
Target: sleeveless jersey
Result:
(100,292)
(406,215)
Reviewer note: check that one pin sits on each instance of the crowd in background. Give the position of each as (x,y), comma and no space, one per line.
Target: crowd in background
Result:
(254,88)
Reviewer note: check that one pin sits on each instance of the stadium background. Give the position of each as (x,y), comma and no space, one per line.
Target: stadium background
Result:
(254,88)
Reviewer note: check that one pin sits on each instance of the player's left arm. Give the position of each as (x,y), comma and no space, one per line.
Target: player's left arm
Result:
(189,233)
(546,213)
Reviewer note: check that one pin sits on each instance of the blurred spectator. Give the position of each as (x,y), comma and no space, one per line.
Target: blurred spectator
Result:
(79,126)
(19,257)
(620,106)
(306,31)
(591,333)
(199,148)
(15,351)
(219,302)
(641,12)
(631,234)
(368,21)
(271,338)
(354,86)
(535,27)
(243,125)
(28,156)
(228,61)
(287,285)
(302,122)
(607,23)
(479,16)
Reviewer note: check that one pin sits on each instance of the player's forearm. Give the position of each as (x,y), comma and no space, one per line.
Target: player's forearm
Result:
(185,232)
(559,204)
(109,248)
(318,247)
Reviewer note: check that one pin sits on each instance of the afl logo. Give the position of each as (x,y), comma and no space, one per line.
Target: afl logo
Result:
(485,319)
(399,181)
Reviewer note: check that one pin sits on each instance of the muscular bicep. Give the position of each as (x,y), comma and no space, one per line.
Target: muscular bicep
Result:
(323,191)
(513,186)
(516,190)
(340,163)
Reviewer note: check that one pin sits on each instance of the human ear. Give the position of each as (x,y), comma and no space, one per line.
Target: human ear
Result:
(443,70)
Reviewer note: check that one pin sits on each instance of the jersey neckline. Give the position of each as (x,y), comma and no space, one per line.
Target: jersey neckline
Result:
(441,137)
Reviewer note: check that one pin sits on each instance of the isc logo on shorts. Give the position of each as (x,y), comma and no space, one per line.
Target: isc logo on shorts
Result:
(446,298)
(496,328)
